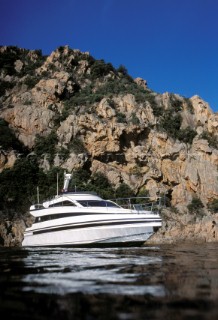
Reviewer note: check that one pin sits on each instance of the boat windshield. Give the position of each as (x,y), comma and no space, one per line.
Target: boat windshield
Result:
(62,203)
(97,203)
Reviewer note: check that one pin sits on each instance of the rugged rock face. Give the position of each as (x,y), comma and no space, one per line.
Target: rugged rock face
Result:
(103,120)
(12,228)
(180,228)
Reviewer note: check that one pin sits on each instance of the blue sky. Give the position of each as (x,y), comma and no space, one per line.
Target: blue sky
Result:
(173,44)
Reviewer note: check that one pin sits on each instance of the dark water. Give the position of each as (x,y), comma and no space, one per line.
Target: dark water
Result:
(163,282)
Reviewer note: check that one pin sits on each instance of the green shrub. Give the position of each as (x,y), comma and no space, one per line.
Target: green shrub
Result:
(143,96)
(171,123)
(83,97)
(61,117)
(7,60)
(136,171)
(195,206)
(5,85)
(31,81)
(121,117)
(213,206)
(113,87)
(111,103)
(45,74)
(212,139)
(134,119)
(124,191)
(77,146)
(90,94)
(8,140)
(175,103)
(174,210)
(100,184)
(27,102)
(61,49)
(47,183)
(63,153)
(17,184)
(82,180)
(99,69)
(46,146)
(122,69)
(189,105)
(186,135)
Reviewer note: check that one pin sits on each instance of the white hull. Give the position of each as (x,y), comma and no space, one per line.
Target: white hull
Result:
(87,236)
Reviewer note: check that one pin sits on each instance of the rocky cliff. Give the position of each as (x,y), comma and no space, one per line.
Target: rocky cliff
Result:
(71,111)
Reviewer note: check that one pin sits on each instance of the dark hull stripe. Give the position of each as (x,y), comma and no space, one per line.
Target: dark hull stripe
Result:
(88,225)
(91,222)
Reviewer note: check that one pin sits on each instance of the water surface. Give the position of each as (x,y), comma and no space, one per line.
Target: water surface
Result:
(168,281)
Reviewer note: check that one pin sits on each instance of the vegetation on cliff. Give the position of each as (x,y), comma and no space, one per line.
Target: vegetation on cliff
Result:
(69,111)
(18,185)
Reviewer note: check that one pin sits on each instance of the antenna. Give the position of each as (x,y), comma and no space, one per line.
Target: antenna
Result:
(37,188)
(57,183)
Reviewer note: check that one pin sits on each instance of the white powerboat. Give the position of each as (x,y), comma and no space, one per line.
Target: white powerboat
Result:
(85,219)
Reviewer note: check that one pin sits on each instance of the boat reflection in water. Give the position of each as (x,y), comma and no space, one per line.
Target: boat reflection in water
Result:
(164,282)
(81,219)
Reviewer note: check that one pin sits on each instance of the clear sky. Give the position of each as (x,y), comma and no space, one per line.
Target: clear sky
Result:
(173,44)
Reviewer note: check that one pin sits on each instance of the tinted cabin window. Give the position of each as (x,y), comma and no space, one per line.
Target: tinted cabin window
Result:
(62,204)
(39,206)
(96,203)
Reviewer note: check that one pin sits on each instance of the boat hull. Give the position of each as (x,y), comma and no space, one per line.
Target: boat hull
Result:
(103,235)
(84,219)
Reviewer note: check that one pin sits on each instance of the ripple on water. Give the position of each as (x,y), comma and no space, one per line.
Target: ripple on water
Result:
(168,281)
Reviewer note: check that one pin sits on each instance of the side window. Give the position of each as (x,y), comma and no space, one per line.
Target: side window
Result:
(68,203)
(62,203)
